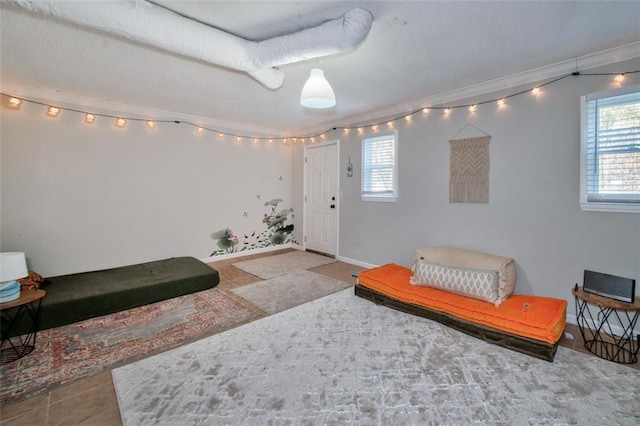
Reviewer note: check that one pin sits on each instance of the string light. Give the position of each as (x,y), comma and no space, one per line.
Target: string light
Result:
(90,118)
(270,141)
(255,141)
(53,111)
(14,103)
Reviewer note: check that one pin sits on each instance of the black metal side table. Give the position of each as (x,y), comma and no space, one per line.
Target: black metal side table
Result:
(27,306)
(598,330)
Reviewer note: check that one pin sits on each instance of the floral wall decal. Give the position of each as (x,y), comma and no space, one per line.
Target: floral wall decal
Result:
(277,232)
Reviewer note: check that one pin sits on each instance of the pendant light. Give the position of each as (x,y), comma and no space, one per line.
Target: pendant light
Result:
(317,92)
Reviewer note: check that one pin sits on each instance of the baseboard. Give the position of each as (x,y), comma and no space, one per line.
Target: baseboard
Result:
(616,329)
(249,252)
(356,262)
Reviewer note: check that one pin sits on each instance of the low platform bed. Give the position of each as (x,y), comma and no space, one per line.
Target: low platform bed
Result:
(535,348)
(77,297)
(471,292)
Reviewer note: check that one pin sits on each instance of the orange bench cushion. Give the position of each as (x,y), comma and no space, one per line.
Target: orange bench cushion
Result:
(535,317)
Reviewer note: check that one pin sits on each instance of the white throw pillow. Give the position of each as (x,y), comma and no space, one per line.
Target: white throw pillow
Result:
(476,283)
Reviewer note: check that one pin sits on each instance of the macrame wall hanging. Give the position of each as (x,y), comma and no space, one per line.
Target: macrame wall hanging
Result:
(469,182)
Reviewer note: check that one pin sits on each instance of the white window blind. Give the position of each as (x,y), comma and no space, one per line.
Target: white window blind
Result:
(379,168)
(611,139)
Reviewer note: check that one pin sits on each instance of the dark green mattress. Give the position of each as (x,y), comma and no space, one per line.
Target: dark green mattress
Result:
(76,297)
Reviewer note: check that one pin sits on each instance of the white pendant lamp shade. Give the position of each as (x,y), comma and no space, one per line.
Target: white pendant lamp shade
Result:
(317,92)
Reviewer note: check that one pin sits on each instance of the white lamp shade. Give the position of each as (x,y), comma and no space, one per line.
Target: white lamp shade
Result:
(13,266)
(317,92)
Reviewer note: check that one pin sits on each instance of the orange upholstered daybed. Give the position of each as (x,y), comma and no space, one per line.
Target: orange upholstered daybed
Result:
(528,324)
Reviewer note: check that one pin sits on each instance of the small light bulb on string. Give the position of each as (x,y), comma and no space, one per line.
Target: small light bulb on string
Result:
(447,111)
(295,141)
(360,130)
(238,139)
(407,118)
(53,111)
(323,136)
(472,108)
(535,91)
(501,103)
(619,78)
(302,140)
(284,141)
(121,122)
(270,141)
(199,130)
(313,140)
(151,124)
(346,131)
(220,136)
(390,124)
(374,128)
(425,110)
(255,141)
(89,118)
(14,103)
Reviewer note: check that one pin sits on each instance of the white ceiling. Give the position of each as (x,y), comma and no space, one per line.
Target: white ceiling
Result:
(414,50)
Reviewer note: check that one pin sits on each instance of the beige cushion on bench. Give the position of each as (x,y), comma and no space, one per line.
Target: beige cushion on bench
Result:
(468,259)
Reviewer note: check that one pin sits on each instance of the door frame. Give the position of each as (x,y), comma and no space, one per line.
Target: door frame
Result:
(335,142)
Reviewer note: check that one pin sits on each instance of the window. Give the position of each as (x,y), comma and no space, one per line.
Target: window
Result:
(610,148)
(380,168)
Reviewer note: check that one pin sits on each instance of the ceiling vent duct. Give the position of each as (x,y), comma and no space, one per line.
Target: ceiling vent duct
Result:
(153,25)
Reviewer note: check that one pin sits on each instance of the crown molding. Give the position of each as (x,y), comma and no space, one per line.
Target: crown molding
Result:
(109,107)
(605,57)
(582,63)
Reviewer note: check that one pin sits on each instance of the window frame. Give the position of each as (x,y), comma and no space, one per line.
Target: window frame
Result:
(393,197)
(585,203)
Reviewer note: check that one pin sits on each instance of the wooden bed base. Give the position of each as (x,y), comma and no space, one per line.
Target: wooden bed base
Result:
(535,348)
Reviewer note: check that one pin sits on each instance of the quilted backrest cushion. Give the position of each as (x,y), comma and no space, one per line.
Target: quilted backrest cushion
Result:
(476,283)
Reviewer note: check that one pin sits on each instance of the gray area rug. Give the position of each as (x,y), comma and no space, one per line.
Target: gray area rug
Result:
(289,290)
(274,266)
(344,360)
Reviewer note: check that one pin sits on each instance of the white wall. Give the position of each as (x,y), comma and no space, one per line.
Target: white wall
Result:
(78,197)
(533,214)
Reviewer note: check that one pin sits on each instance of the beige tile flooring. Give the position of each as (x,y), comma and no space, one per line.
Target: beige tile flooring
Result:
(92,401)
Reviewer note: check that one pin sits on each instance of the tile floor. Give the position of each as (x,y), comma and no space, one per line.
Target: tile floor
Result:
(92,401)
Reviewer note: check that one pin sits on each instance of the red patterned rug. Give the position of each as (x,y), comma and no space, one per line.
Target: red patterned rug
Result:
(72,352)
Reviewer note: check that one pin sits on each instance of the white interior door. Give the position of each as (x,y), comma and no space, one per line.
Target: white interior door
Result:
(321,198)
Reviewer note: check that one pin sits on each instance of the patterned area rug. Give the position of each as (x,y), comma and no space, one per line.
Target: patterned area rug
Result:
(274,266)
(289,290)
(90,347)
(344,360)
